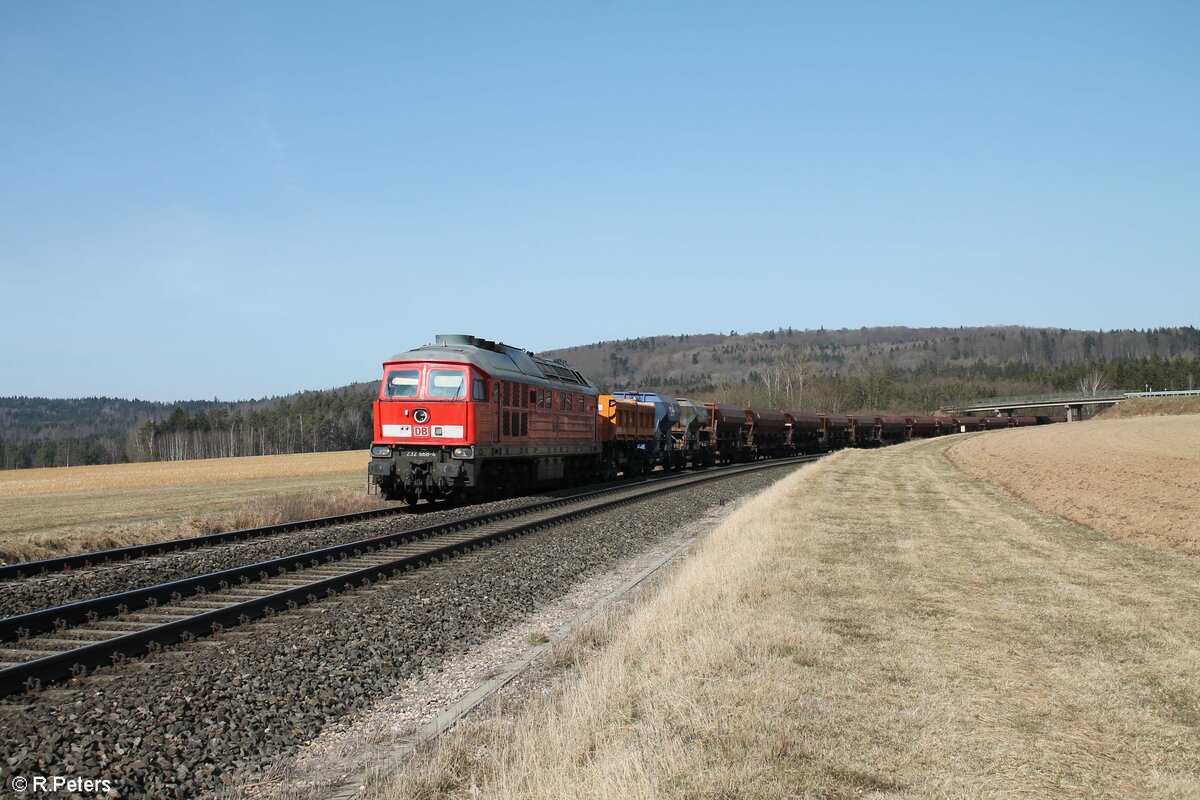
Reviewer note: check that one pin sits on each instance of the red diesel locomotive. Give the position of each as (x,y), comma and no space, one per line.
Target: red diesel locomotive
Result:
(468,416)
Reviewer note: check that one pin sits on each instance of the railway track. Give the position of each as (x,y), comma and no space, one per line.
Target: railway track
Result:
(44,646)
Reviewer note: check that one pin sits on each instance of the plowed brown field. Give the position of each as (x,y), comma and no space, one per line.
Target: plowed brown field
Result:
(1133,478)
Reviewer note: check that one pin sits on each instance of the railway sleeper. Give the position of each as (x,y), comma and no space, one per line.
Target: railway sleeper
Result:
(61,644)
(202,605)
(161,615)
(89,634)
(21,656)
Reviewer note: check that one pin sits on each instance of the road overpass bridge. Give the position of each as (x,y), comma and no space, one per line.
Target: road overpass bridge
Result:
(1072,403)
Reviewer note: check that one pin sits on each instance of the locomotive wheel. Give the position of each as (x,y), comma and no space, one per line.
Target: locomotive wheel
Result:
(410,498)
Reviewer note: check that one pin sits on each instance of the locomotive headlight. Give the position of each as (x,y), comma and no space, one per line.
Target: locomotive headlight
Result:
(463,452)
(381,450)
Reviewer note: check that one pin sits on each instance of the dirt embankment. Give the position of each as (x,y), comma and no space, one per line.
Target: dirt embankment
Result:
(1153,406)
(881,624)
(1136,478)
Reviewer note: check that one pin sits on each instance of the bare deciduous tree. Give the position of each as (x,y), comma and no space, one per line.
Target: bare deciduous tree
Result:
(1093,382)
(794,369)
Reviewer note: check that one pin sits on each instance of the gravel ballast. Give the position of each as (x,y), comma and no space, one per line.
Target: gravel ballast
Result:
(387,733)
(183,722)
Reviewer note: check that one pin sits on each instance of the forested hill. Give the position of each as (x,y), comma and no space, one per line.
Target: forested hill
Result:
(880,369)
(891,369)
(37,432)
(717,358)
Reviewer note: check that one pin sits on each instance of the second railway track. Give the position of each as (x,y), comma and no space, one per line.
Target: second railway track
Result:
(55,643)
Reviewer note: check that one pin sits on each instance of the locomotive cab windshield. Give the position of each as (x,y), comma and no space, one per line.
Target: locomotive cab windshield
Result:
(401,383)
(446,384)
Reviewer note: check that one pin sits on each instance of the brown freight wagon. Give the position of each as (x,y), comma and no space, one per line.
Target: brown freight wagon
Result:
(767,433)
(892,430)
(806,432)
(865,430)
(837,431)
(922,427)
(729,425)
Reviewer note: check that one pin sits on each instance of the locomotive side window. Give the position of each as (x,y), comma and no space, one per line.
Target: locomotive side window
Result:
(402,383)
(446,383)
(478,389)
(524,424)
(532,397)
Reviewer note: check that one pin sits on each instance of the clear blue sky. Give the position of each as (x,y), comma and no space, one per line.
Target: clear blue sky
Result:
(204,199)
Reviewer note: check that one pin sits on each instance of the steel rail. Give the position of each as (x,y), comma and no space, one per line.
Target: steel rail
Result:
(76,660)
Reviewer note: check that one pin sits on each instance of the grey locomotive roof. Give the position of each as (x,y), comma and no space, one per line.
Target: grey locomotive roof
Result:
(500,361)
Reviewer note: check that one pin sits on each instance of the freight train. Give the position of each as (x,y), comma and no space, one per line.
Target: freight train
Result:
(472,419)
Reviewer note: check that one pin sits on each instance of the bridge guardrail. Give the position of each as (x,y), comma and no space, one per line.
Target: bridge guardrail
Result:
(1071,398)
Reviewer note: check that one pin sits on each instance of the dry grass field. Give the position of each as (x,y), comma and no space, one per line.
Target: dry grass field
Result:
(879,625)
(46,512)
(1153,406)
(1136,478)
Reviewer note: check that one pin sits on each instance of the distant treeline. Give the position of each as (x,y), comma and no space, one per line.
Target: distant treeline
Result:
(338,419)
